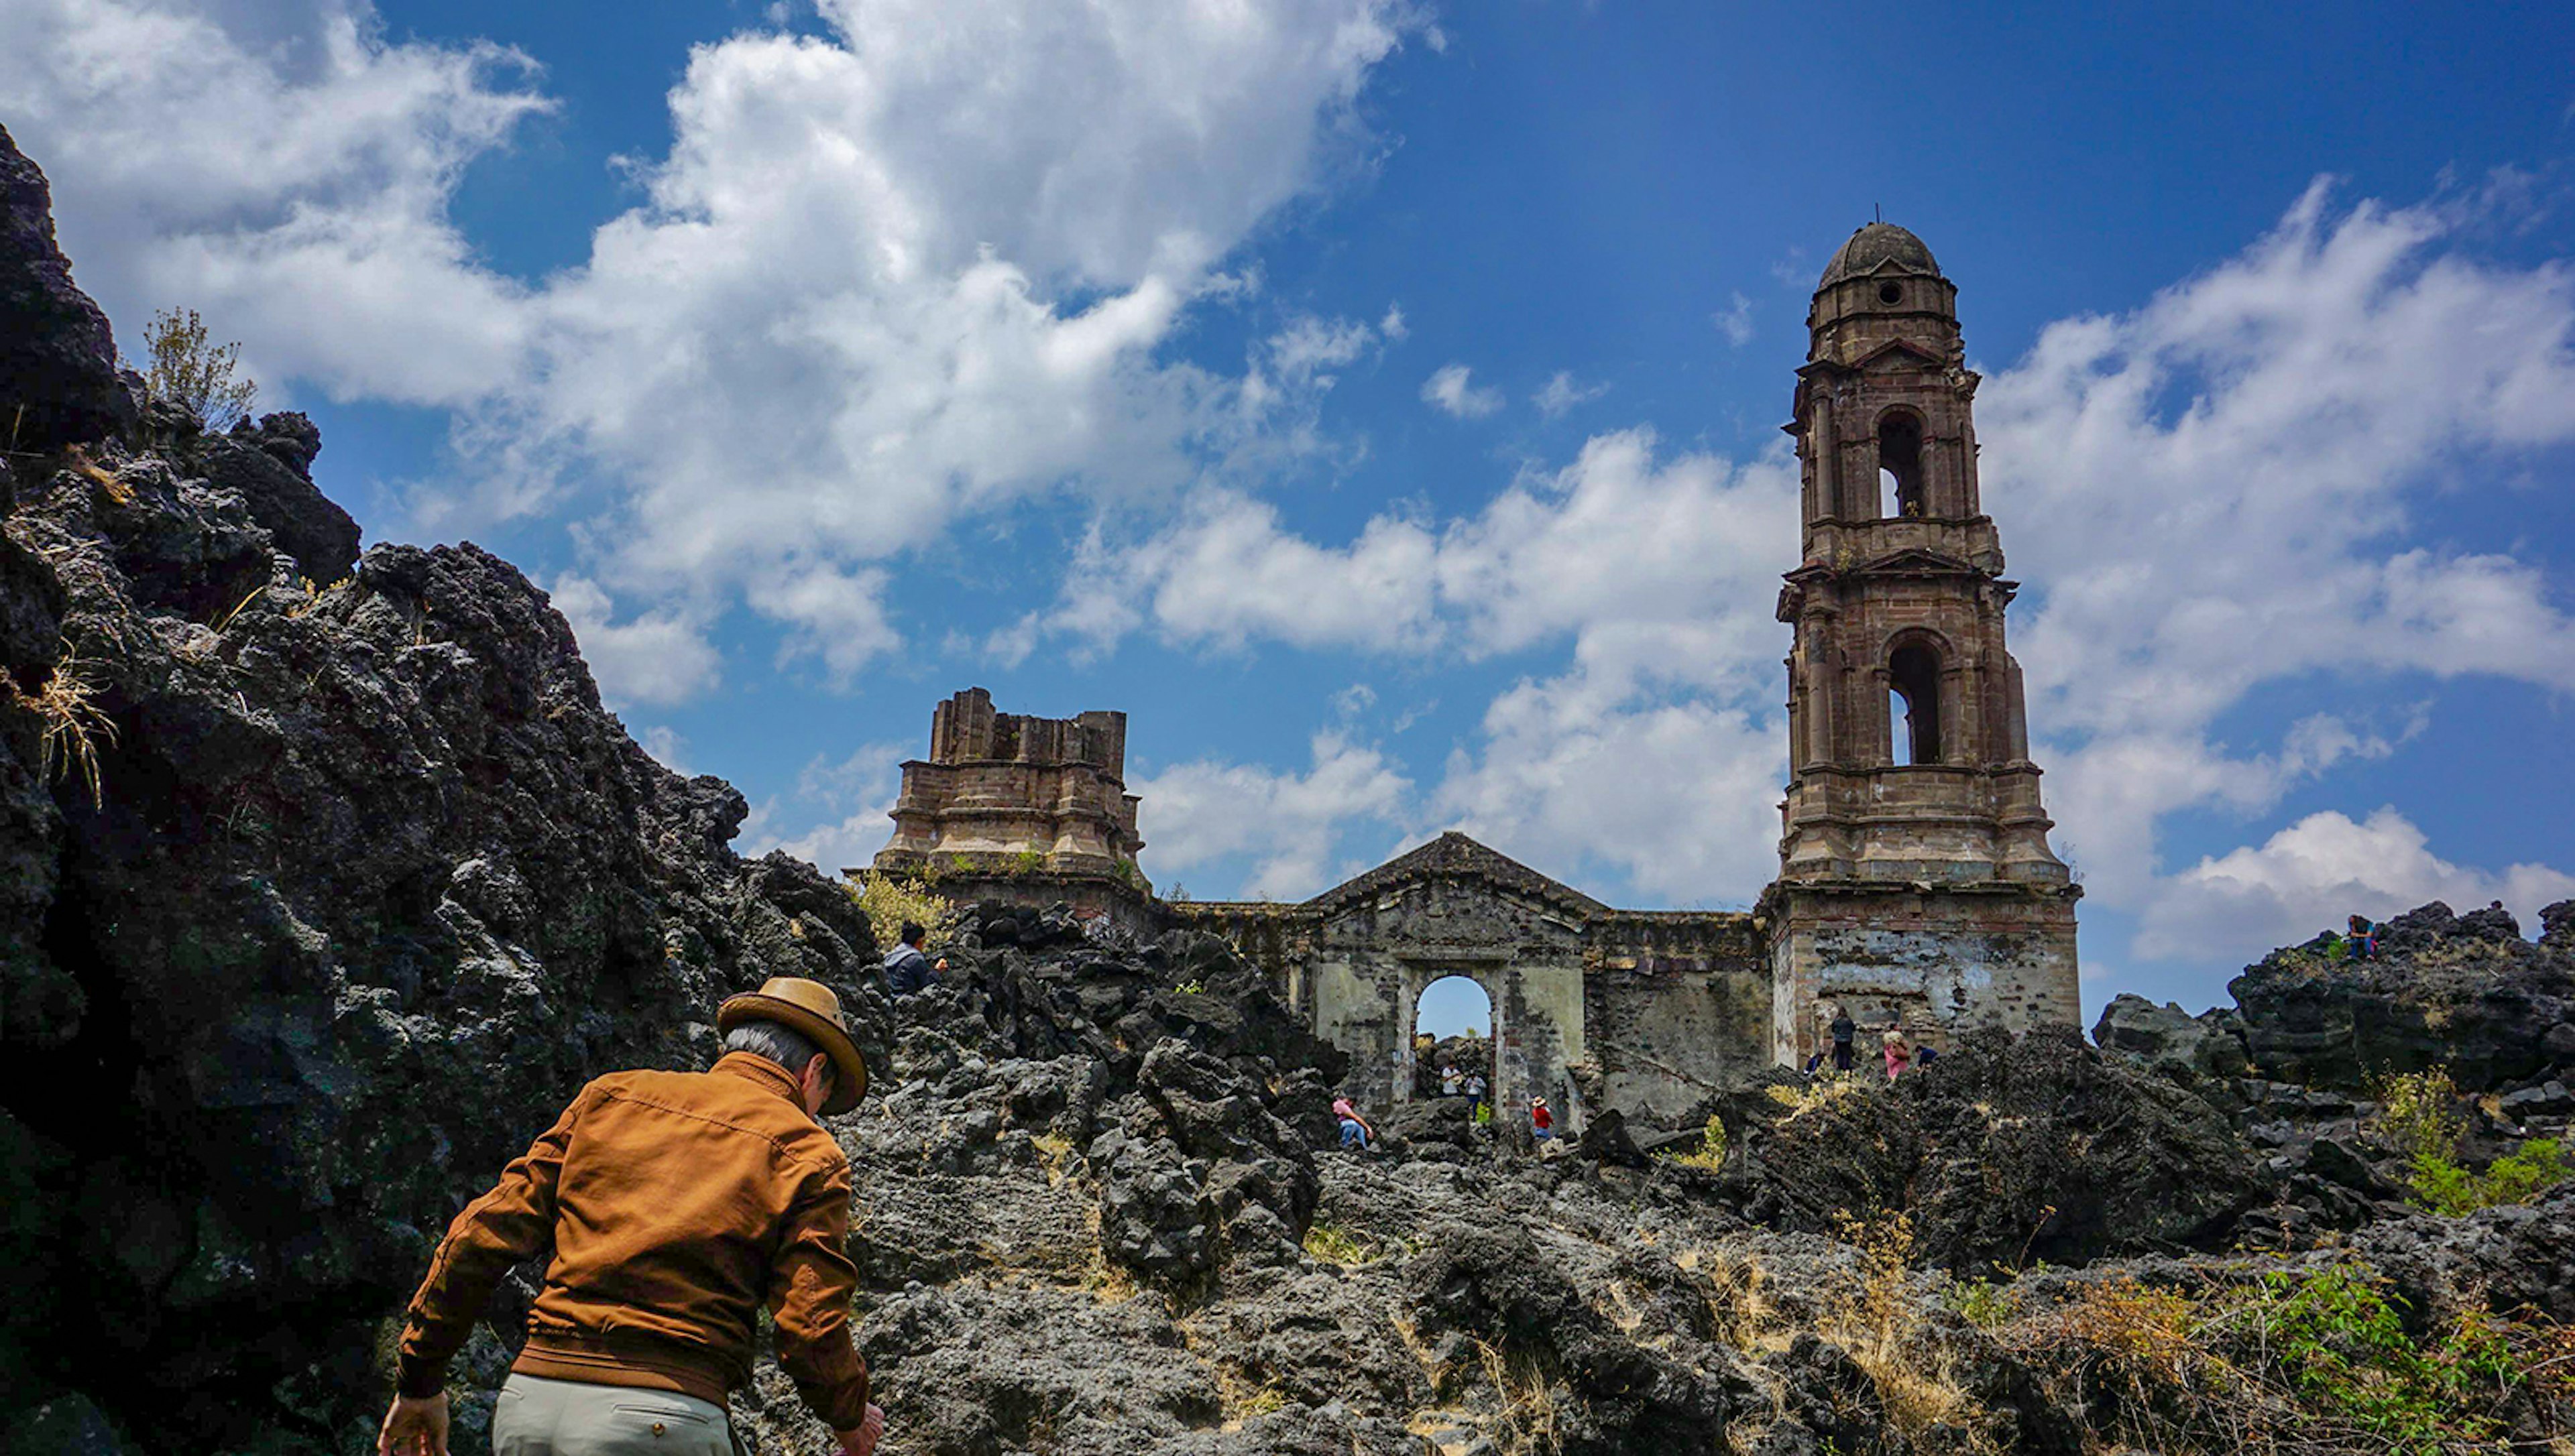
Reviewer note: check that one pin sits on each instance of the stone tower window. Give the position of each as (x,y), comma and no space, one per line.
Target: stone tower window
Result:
(1890,294)
(1899,464)
(1913,706)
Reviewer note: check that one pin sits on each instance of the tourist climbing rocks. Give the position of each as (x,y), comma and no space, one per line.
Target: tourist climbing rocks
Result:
(1449,1080)
(1541,1121)
(1899,1053)
(907,970)
(1843,1030)
(1474,1094)
(2362,941)
(1355,1131)
(676,1205)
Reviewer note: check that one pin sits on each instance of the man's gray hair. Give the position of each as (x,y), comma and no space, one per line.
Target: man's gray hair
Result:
(790,1049)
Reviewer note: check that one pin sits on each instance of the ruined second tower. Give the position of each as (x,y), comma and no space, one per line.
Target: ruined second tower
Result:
(1916,884)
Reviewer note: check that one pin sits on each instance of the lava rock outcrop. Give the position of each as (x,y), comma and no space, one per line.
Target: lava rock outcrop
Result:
(329,880)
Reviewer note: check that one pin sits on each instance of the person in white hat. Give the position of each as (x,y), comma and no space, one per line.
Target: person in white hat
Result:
(679,1205)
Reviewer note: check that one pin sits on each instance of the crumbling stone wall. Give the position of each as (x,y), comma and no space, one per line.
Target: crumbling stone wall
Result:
(1935,963)
(1645,1011)
(1677,1004)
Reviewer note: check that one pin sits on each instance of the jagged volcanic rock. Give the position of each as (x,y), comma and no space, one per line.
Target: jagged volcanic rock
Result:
(59,382)
(2464,992)
(2002,1151)
(371,882)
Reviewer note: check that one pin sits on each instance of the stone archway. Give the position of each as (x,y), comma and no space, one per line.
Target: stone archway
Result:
(1418,976)
(1477,1056)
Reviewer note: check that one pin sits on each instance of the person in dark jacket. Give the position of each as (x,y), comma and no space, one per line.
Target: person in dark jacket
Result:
(1843,1030)
(906,969)
(676,1206)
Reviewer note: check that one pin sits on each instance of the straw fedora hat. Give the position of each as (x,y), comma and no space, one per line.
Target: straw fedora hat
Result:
(808,1008)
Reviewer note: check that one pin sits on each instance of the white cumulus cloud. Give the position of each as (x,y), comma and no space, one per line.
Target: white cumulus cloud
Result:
(1289,822)
(911,268)
(1449,391)
(2310,875)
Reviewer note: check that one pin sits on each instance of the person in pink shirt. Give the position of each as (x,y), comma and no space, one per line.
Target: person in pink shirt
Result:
(1899,1053)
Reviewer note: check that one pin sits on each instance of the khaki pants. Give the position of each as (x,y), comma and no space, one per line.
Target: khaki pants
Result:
(538,1417)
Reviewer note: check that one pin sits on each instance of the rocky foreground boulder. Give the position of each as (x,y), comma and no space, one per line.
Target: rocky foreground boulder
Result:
(324,881)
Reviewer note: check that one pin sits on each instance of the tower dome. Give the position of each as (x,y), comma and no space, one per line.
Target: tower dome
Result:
(1877,246)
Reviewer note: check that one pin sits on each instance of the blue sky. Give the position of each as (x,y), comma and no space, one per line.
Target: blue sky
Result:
(1380,402)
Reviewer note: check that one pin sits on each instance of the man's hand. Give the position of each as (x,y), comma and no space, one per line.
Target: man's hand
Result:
(862,1441)
(417,1426)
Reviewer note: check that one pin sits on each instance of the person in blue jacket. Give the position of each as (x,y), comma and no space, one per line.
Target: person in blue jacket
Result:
(906,969)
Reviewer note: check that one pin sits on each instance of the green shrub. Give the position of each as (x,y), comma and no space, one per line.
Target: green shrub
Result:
(2344,1349)
(2441,1184)
(1710,1157)
(2418,1112)
(1336,1246)
(2419,1115)
(1982,1302)
(193,373)
(888,900)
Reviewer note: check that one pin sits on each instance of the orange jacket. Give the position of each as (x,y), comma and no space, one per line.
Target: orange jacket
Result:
(678,1203)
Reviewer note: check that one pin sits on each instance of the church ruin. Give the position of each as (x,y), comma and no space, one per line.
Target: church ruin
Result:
(1916,887)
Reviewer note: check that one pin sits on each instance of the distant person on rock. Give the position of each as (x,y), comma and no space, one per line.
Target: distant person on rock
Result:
(1449,1082)
(2362,941)
(1474,1094)
(907,970)
(1845,1029)
(1899,1053)
(1924,1055)
(1355,1131)
(1541,1121)
(678,1206)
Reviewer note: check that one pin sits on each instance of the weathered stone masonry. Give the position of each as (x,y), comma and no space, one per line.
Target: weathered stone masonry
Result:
(1916,886)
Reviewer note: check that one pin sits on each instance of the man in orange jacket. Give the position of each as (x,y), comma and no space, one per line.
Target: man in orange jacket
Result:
(678,1204)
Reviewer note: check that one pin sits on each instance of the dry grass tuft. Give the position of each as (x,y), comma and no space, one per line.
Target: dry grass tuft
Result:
(108,481)
(1739,1305)
(1335,1245)
(1877,1319)
(1820,1092)
(1527,1411)
(69,724)
(313,594)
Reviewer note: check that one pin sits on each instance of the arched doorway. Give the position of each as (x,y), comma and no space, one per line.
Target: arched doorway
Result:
(1452,1029)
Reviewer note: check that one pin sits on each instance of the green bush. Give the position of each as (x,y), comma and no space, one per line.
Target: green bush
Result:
(1710,1157)
(888,900)
(193,373)
(2441,1184)
(2344,1349)
(2419,1115)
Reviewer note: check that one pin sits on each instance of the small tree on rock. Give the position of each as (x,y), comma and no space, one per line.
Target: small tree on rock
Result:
(195,375)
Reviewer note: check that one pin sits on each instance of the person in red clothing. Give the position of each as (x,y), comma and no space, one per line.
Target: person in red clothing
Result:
(679,1204)
(1541,1121)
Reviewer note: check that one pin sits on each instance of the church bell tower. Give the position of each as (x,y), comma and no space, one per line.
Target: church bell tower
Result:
(1916,886)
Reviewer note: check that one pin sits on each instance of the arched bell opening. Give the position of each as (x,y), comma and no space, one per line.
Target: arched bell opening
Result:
(1913,706)
(1899,464)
